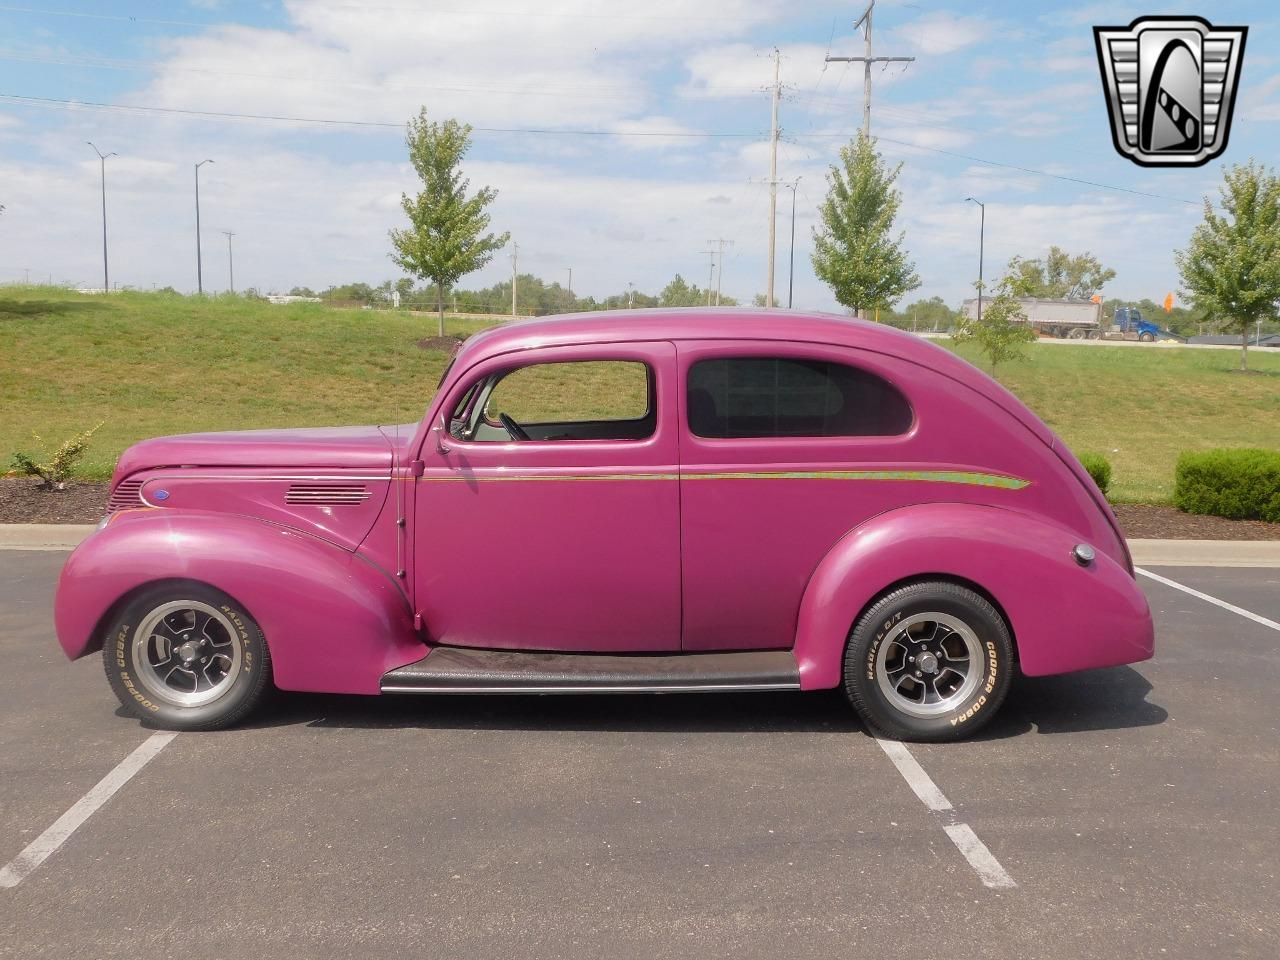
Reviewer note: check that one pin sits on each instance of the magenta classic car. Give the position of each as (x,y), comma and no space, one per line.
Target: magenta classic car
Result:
(650,501)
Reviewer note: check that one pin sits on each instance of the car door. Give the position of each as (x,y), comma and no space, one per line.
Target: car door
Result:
(568,540)
(785,447)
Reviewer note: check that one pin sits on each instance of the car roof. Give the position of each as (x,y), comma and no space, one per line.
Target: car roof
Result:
(702,323)
(739,323)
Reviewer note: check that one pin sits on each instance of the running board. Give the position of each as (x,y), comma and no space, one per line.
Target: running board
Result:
(467,670)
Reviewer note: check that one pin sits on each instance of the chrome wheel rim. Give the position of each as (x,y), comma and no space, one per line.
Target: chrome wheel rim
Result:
(929,664)
(187,653)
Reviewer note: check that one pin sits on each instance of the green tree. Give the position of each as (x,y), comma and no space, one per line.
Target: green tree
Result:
(1003,330)
(446,237)
(931,314)
(1060,275)
(680,293)
(855,252)
(1231,268)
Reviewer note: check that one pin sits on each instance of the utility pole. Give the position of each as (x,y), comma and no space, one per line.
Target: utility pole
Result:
(631,295)
(102,160)
(199,265)
(515,275)
(231,264)
(570,269)
(791,273)
(982,231)
(711,275)
(721,243)
(867,60)
(773,173)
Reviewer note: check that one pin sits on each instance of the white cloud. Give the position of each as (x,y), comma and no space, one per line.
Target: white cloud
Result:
(940,33)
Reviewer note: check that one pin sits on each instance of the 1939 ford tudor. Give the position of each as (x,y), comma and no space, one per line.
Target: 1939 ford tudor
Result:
(655,501)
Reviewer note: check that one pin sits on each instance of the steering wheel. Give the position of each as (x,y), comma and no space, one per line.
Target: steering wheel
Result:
(514,429)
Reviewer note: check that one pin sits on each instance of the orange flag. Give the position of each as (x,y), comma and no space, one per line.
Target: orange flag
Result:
(1168,303)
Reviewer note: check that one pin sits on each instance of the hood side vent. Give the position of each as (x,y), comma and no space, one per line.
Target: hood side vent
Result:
(127,494)
(326,494)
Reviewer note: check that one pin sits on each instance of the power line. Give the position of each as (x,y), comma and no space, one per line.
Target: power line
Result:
(568,91)
(64,103)
(1039,173)
(227,115)
(366,8)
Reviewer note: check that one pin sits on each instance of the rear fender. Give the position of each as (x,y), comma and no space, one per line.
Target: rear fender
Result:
(1063,616)
(333,621)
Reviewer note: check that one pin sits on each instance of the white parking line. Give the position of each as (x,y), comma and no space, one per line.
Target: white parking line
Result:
(983,861)
(1248,614)
(42,846)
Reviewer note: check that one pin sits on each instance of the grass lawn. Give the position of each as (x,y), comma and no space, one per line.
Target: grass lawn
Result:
(1140,407)
(153,364)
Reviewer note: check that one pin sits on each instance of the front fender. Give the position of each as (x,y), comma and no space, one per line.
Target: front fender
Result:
(1064,616)
(333,621)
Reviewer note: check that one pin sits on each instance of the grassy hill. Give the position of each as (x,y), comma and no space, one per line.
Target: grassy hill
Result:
(152,364)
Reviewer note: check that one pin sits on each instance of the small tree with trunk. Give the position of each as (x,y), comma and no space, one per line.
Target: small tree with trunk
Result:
(854,250)
(1003,331)
(446,236)
(1231,268)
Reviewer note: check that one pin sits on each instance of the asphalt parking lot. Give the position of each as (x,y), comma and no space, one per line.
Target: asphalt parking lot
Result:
(1134,808)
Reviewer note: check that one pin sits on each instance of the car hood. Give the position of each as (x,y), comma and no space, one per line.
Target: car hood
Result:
(362,448)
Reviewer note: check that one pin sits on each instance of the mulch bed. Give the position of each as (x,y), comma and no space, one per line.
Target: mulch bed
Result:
(1143,521)
(445,345)
(22,501)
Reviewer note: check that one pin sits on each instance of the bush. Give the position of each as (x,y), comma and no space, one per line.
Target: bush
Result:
(1238,484)
(56,471)
(1099,468)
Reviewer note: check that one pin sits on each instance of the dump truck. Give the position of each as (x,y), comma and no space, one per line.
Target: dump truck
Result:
(1070,319)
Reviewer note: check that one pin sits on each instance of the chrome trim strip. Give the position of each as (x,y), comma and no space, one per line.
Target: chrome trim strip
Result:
(630,688)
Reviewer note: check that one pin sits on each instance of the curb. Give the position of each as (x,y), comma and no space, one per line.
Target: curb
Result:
(1147,553)
(1205,553)
(43,536)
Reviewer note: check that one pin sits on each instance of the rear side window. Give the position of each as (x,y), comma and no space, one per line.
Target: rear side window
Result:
(752,397)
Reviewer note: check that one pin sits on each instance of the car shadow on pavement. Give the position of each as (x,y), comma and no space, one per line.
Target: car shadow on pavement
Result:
(823,712)
(1110,699)
(1113,698)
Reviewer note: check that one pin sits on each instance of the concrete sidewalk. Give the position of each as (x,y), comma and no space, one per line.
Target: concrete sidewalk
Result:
(1155,553)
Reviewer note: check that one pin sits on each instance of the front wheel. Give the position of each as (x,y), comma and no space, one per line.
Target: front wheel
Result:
(186,657)
(929,661)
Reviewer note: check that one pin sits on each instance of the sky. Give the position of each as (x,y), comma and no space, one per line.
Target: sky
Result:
(622,138)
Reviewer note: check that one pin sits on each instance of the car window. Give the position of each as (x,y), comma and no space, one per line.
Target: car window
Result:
(748,397)
(572,400)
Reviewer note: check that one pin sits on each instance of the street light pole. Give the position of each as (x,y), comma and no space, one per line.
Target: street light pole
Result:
(791,274)
(982,230)
(102,160)
(231,264)
(199,265)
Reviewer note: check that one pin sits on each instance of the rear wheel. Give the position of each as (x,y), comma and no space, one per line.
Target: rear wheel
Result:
(187,657)
(928,661)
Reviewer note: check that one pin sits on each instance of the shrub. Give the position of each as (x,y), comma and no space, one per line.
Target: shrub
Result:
(1099,468)
(56,471)
(1238,484)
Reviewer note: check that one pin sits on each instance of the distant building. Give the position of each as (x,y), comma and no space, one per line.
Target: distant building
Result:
(288,298)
